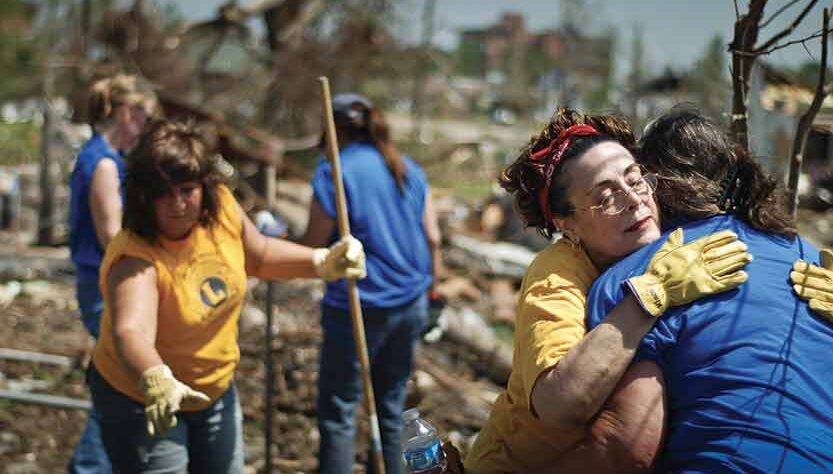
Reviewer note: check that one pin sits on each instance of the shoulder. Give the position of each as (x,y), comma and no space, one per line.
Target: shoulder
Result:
(228,209)
(127,242)
(560,265)
(128,267)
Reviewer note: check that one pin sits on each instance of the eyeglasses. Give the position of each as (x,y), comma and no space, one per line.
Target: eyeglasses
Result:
(617,201)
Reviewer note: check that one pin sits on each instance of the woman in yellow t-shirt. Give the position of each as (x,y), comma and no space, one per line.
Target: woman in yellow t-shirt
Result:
(579,177)
(173,282)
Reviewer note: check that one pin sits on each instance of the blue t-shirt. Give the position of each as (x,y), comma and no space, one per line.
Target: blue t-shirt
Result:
(748,372)
(388,223)
(83,244)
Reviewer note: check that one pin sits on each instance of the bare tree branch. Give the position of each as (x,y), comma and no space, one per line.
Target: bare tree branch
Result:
(762,52)
(737,11)
(745,38)
(780,11)
(788,30)
(806,121)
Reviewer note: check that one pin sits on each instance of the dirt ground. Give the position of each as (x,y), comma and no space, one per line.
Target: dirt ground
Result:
(43,318)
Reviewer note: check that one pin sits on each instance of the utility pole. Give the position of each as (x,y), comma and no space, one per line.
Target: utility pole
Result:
(46,209)
(423,64)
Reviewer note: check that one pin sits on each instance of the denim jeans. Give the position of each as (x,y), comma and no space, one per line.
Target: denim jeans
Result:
(391,335)
(208,441)
(89,456)
(90,303)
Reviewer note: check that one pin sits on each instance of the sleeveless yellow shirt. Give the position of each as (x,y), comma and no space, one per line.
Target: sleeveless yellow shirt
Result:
(549,322)
(201,281)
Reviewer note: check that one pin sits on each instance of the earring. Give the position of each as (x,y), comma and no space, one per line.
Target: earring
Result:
(575,241)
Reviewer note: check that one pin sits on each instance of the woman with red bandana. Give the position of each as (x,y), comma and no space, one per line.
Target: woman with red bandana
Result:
(579,177)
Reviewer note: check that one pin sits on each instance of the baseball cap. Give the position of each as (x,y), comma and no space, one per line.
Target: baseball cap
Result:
(343,110)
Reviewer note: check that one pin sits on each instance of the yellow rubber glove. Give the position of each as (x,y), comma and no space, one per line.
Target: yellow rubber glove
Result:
(163,395)
(344,259)
(680,273)
(815,284)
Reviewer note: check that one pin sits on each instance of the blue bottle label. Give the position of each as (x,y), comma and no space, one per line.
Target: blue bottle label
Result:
(424,458)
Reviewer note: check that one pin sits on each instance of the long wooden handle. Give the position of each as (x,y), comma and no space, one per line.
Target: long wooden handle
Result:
(353,290)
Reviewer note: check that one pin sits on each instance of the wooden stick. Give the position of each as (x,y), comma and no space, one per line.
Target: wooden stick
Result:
(353,290)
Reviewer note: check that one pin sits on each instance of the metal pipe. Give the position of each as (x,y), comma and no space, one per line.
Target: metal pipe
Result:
(49,400)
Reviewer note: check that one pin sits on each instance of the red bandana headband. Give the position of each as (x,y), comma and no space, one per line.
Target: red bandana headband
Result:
(553,154)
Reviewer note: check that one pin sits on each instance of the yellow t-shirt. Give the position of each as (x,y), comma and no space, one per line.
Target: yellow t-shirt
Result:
(201,281)
(549,321)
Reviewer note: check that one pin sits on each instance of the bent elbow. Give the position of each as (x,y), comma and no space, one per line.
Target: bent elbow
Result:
(567,413)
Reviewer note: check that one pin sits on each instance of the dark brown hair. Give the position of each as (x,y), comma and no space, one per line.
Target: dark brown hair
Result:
(701,174)
(168,153)
(524,177)
(370,126)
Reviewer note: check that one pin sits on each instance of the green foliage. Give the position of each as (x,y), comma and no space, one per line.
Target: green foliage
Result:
(19,143)
(20,52)
(808,74)
(469,59)
(710,81)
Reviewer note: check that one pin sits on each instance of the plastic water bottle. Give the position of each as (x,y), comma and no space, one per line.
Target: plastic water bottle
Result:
(421,446)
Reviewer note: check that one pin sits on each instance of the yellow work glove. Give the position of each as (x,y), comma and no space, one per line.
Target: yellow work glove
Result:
(681,273)
(815,284)
(163,395)
(344,259)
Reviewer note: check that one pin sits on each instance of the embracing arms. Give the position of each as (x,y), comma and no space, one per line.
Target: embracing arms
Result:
(570,394)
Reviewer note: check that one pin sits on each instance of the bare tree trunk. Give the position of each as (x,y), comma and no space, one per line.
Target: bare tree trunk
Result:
(806,121)
(46,210)
(746,35)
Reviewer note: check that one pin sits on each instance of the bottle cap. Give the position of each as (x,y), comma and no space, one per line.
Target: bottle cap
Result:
(410,414)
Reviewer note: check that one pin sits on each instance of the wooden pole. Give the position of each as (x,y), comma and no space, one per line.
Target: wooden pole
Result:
(268,172)
(353,290)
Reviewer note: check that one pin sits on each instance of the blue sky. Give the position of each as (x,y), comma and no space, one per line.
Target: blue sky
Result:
(674,32)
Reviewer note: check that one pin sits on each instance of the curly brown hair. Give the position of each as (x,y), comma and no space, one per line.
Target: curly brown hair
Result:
(524,178)
(693,157)
(168,153)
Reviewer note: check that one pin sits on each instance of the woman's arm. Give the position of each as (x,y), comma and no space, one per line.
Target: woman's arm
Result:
(272,258)
(567,396)
(135,301)
(105,201)
(627,435)
(320,226)
(432,235)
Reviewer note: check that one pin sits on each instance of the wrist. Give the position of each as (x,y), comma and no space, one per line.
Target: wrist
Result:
(155,377)
(649,293)
(319,256)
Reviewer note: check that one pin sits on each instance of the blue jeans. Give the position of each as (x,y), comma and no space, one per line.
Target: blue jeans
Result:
(208,441)
(89,456)
(391,335)
(90,303)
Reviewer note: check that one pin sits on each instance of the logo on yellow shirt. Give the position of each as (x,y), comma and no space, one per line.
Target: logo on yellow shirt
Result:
(213,291)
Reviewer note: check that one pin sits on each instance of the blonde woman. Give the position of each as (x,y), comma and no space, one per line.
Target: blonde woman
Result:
(118,109)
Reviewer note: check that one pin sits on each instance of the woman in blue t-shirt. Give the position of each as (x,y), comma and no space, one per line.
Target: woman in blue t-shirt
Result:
(117,111)
(390,211)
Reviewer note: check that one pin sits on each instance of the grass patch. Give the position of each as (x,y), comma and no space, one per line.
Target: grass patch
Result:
(19,143)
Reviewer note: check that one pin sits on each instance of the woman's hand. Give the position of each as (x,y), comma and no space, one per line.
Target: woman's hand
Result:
(344,259)
(681,273)
(163,396)
(815,284)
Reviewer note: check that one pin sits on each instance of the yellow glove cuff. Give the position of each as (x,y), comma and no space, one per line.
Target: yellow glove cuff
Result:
(650,294)
(155,379)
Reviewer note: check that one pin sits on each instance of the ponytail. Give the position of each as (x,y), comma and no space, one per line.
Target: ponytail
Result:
(358,121)
(380,136)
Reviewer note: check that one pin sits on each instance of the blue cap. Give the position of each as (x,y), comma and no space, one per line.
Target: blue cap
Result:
(343,105)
